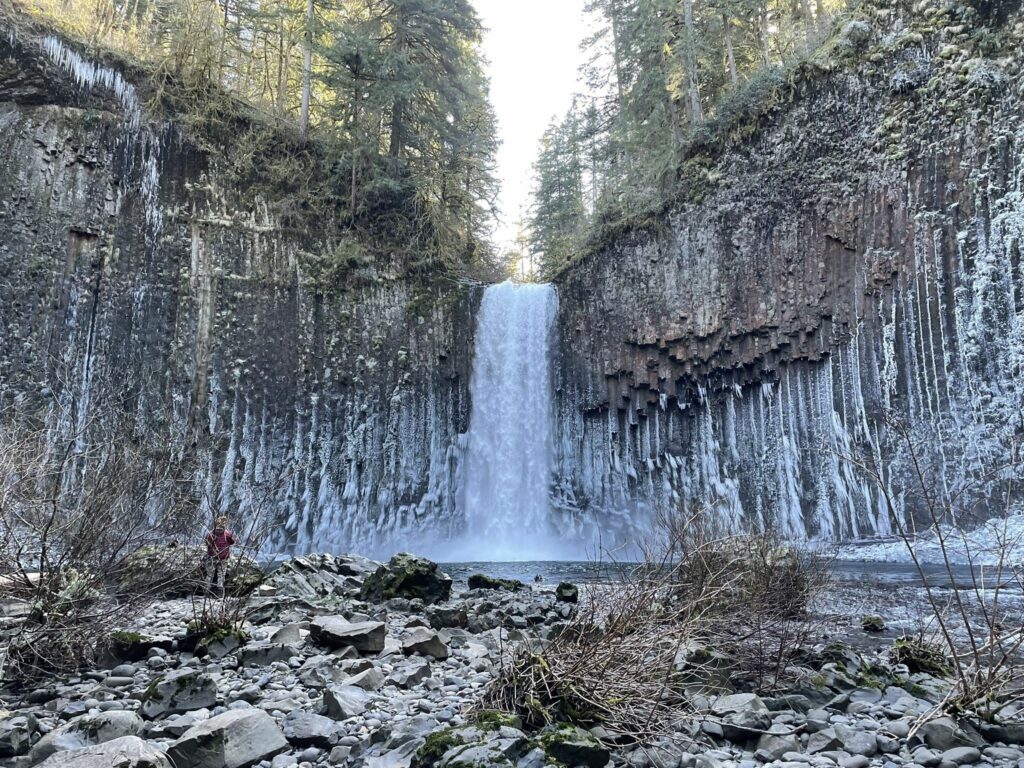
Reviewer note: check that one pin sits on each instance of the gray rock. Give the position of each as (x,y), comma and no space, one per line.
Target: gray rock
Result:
(289,634)
(321,671)
(234,739)
(961,755)
(265,654)
(125,752)
(743,716)
(857,742)
(424,642)
(943,733)
(344,701)
(180,691)
(369,680)
(574,746)
(337,632)
(407,576)
(16,734)
(823,741)
(410,673)
(305,729)
(87,731)
(773,747)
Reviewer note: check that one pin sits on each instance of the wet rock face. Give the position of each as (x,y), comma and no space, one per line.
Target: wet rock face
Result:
(860,256)
(133,273)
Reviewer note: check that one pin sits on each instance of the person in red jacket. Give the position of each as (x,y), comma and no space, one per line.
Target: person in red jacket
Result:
(218,551)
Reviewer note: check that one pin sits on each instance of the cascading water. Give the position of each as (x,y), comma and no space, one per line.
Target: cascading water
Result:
(506,490)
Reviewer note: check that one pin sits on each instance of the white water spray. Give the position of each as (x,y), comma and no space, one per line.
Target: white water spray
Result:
(506,492)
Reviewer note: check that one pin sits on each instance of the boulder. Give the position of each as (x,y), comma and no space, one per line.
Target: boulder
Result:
(567,593)
(125,752)
(262,654)
(574,746)
(447,617)
(369,679)
(321,671)
(743,716)
(180,691)
(344,701)
(237,738)
(410,673)
(338,632)
(407,576)
(87,731)
(424,642)
(319,576)
(305,729)
(943,733)
(482,581)
(16,734)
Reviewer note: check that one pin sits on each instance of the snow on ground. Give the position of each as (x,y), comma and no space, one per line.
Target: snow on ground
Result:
(983,545)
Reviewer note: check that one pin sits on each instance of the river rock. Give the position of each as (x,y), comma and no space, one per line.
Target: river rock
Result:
(16,734)
(742,716)
(410,577)
(567,593)
(125,752)
(424,642)
(263,654)
(344,701)
(574,746)
(306,729)
(234,739)
(179,691)
(87,731)
(321,575)
(482,581)
(338,632)
(321,671)
(944,733)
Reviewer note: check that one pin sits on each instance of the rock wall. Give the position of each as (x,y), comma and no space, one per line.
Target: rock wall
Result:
(131,275)
(858,259)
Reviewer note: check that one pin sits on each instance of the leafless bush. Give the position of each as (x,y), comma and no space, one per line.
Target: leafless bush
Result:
(978,634)
(215,614)
(76,495)
(638,649)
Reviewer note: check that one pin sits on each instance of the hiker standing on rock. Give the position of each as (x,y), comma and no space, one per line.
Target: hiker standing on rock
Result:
(218,551)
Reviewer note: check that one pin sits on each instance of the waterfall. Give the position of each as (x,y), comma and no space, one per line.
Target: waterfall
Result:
(506,488)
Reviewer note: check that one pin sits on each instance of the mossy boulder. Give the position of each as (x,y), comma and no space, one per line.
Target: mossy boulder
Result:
(567,592)
(410,577)
(436,745)
(872,624)
(570,745)
(482,581)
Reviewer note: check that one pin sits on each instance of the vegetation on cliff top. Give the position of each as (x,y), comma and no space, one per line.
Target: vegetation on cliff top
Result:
(671,85)
(371,116)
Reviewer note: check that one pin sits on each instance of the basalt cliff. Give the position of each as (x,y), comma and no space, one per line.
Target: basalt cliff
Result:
(843,281)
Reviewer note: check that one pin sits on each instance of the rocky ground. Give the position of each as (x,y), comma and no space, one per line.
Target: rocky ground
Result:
(335,669)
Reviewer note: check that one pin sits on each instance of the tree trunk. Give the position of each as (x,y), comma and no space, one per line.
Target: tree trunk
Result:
(397,118)
(280,68)
(307,70)
(730,55)
(696,111)
(762,14)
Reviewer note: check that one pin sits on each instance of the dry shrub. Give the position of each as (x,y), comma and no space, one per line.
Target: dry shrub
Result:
(978,630)
(76,495)
(639,648)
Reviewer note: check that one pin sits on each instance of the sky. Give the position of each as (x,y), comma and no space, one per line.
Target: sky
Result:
(533,51)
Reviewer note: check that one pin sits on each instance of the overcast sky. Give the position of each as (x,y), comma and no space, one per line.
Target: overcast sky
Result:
(533,50)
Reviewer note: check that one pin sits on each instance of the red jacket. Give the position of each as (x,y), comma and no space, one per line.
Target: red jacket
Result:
(218,543)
